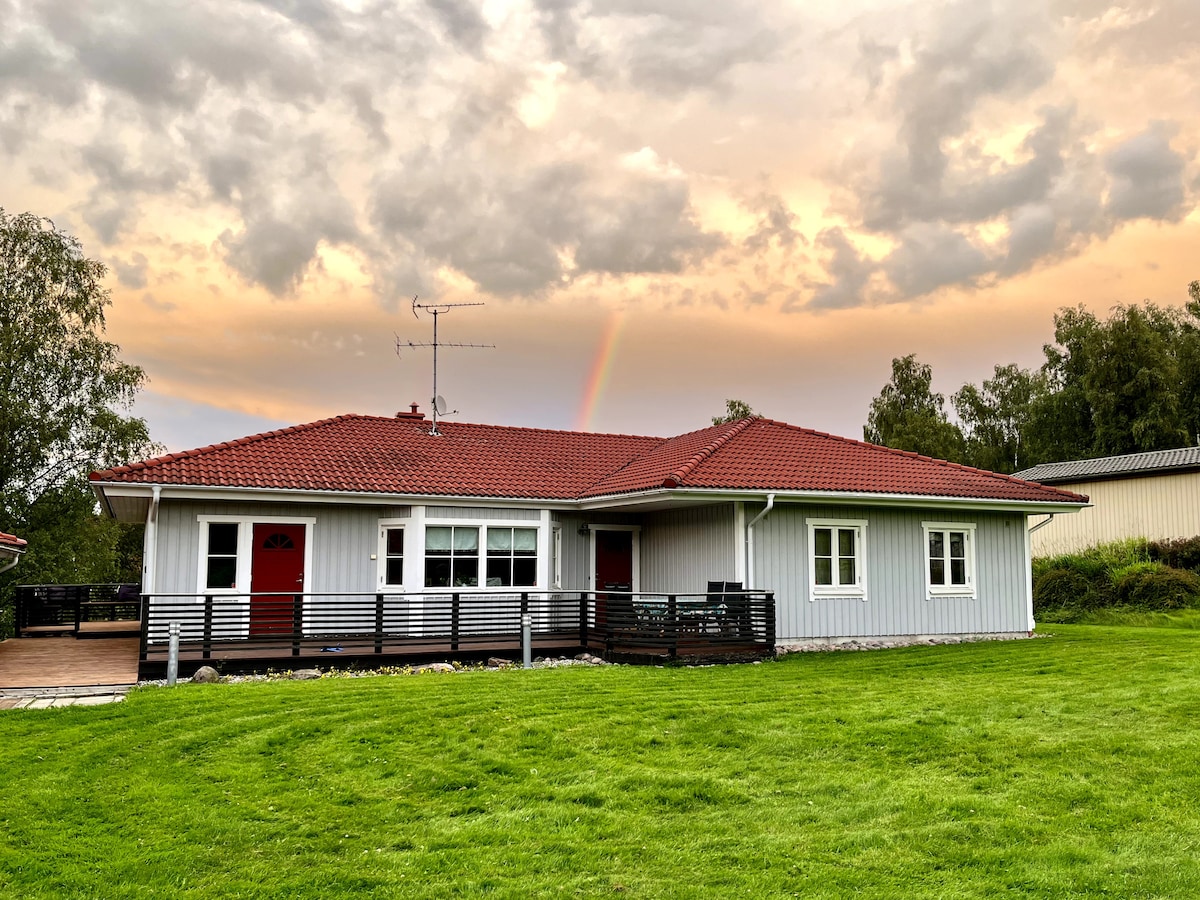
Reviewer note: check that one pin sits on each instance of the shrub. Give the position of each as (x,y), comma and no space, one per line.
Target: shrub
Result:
(1158,587)
(1179,553)
(1060,589)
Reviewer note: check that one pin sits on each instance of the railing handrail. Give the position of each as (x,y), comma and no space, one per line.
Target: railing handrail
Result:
(446,592)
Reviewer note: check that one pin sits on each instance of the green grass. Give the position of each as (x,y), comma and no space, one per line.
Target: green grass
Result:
(1067,766)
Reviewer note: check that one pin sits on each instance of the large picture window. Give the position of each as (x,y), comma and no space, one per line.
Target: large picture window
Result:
(950,558)
(835,558)
(451,556)
(512,557)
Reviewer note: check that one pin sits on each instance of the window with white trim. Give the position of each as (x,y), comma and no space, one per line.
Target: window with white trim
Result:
(836,549)
(556,558)
(451,556)
(393,556)
(222,562)
(511,557)
(950,558)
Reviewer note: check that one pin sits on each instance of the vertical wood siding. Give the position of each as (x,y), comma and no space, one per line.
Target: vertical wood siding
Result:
(896,603)
(683,549)
(1154,507)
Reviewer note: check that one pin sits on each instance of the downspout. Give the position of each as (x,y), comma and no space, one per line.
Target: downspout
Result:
(150,543)
(750,540)
(1049,519)
(11,563)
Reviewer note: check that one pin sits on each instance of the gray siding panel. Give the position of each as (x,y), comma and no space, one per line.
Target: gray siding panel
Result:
(683,549)
(896,602)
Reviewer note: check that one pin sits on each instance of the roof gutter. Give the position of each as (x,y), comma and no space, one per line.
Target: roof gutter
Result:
(1049,518)
(750,540)
(12,562)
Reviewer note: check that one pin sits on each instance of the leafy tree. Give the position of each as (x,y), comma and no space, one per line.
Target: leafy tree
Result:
(63,391)
(996,417)
(908,415)
(735,410)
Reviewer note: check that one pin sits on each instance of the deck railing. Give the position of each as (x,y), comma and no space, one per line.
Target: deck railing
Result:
(234,627)
(71,608)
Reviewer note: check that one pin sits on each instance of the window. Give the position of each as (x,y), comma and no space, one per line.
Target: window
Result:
(451,556)
(512,557)
(835,553)
(393,558)
(221,568)
(950,558)
(556,558)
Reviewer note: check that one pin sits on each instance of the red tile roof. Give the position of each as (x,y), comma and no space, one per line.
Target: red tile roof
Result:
(399,456)
(11,540)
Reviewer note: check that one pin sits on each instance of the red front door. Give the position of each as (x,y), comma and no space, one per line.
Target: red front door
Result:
(614,568)
(276,567)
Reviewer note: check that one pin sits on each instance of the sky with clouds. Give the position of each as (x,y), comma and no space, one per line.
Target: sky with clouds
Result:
(662,203)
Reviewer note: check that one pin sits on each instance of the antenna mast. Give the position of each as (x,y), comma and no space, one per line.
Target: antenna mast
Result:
(435,310)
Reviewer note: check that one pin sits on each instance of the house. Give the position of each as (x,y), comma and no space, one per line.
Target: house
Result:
(854,540)
(11,548)
(1153,495)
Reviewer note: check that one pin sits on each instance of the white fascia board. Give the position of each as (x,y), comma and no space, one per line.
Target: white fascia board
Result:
(843,497)
(367,498)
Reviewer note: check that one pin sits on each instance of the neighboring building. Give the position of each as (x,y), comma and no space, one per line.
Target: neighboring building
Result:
(1154,495)
(855,540)
(11,548)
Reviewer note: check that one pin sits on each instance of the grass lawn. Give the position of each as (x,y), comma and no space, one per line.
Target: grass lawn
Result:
(1067,766)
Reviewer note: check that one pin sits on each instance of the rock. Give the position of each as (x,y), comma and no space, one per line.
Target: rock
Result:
(206,675)
(495,662)
(434,667)
(305,674)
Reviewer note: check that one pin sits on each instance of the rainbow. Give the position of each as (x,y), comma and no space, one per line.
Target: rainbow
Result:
(601,369)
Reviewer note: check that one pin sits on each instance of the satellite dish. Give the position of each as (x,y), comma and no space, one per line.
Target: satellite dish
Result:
(439,404)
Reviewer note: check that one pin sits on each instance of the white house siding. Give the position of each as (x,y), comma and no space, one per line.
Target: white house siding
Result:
(1156,507)
(577,548)
(683,549)
(897,603)
(483,513)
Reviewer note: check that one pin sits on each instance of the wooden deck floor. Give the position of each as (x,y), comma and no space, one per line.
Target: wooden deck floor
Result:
(67,662)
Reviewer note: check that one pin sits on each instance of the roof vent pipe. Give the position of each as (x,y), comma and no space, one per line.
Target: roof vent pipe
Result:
(750,541)
(414,412)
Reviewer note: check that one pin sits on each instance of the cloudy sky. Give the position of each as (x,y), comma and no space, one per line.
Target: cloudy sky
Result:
(662,203)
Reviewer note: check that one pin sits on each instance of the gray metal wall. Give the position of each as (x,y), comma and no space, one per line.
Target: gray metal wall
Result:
(896,601)
(683,549)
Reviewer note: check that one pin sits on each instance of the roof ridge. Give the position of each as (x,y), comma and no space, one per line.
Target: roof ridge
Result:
(675,479)
(212,448)
(1050,489)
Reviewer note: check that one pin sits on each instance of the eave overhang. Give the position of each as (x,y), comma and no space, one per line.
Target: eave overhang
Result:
(659,498)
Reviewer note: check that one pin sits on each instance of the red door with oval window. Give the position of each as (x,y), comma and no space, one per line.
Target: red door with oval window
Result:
(276,567)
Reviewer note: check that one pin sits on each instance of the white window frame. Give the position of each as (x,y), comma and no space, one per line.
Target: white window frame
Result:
(556,558)
(968,590)
(245,553)
(381,556)
(482,524)
(858,590)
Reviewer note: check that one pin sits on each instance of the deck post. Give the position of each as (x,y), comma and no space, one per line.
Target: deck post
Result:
(672,626)
(769,616)
(208,617)
(583,617)
(297,622)
(144,636)
(379,623)
(454,605)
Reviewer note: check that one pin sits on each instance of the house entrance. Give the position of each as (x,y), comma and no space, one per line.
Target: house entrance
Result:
(614,569)
(276,566)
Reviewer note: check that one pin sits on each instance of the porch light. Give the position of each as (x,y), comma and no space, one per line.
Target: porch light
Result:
(584,530)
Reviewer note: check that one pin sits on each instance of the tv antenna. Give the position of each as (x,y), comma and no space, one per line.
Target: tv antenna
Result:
(436,309)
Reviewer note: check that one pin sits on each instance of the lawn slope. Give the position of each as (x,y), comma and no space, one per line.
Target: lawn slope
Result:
(1063,766)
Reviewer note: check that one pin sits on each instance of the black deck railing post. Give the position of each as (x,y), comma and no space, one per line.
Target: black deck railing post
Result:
(206,650)
(769,615)
(79,608)
(144,637)
(583,619)
(454,610)
(379,623)
(672,626)
(297,622)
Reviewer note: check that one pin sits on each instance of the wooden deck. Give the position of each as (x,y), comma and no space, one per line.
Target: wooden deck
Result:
(67,662)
